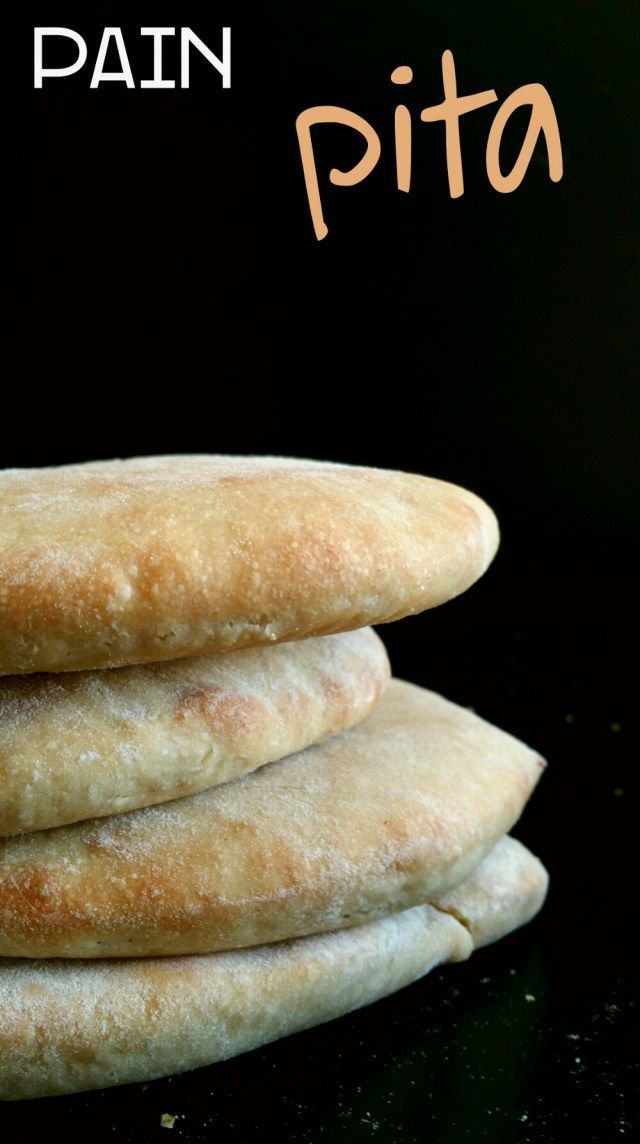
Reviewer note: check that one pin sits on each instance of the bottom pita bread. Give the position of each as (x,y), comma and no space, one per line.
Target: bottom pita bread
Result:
(70,1026)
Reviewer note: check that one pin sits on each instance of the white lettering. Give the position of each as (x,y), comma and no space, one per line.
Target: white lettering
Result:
(39,72)
(187,37)
(157,80)
(125,75)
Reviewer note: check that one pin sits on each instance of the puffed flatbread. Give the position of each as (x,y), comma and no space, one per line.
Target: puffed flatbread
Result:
(119,562)
(70,1026)
(388,814)
(85,744)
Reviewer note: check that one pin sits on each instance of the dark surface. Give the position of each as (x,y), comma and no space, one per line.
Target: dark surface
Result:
(463,1054)
(165,293)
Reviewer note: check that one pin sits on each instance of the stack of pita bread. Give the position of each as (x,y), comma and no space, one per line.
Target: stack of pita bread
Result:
(222,822)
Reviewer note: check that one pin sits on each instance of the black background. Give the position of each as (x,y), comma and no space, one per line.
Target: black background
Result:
(165,293)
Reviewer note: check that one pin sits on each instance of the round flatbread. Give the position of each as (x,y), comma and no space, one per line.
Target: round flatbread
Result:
(136,561)
(68,1026)
(93,743)
(385,815)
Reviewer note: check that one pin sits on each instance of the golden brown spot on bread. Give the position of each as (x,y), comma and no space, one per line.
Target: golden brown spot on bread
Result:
(34,906)
(223,712)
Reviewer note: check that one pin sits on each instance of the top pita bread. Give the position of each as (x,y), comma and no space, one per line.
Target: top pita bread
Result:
(136,561)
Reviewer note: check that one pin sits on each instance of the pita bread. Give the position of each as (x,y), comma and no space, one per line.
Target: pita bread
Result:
(66,1027)
(86,744)
(120,562)
(394,811)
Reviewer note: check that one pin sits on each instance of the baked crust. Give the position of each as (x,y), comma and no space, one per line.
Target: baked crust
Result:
(119,562)
(84,744)
(69,1026)
(378,818)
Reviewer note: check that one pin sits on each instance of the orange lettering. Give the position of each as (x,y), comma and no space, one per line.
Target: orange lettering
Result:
(450,110)
(403,75)
(543,118)
(308,119)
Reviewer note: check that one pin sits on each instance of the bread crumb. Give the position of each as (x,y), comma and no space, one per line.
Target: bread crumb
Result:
(167,1120)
